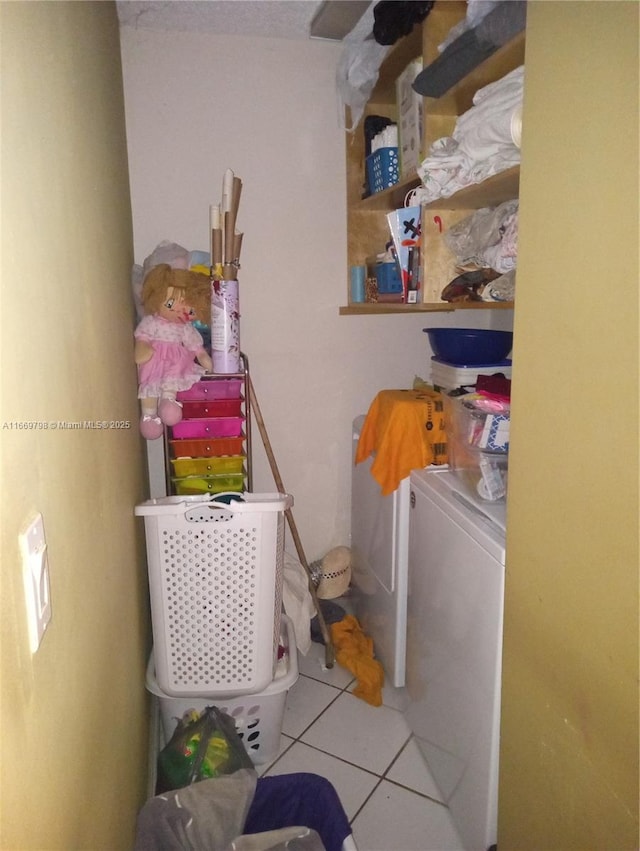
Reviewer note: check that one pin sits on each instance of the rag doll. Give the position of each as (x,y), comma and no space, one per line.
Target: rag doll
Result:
(167,345)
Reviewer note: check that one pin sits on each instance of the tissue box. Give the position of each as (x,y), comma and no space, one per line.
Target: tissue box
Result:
(410,112)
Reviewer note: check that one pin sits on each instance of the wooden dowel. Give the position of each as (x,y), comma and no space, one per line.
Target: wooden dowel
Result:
(326,636)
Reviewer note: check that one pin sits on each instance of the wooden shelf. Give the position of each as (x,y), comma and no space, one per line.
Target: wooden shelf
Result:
(391,198)
(491,192)
(369,308)
(367,227)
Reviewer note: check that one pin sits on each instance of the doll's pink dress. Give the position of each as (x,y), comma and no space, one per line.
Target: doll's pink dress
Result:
(172,366)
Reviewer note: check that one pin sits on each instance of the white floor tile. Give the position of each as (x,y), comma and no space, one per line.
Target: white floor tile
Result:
(394,697)
(352,784)
(313,665)
(285,743)
(411,770)
(368,736)
(305,700)
(395,818)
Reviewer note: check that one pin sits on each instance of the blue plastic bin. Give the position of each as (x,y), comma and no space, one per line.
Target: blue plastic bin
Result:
(382,169)
(388,278)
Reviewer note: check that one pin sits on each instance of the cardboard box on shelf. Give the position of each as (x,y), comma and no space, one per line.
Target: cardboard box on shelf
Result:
(405,228)
(410,118)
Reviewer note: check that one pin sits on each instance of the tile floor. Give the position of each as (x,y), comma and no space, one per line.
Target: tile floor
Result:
(369,755)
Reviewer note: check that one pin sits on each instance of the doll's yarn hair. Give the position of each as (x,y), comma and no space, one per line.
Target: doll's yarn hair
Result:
(195,286)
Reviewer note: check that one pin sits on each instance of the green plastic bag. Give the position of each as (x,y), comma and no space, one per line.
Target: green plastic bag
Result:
(202,746)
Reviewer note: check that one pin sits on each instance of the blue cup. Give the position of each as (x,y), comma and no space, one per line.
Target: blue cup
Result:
(358,274)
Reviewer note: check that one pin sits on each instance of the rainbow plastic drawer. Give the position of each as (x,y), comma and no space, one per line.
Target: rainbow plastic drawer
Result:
(212,408)
(207,448)
(230,464)
(226,388)
(208,484)
(199,429)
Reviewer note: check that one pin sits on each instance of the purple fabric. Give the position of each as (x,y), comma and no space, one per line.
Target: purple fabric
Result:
(299,799)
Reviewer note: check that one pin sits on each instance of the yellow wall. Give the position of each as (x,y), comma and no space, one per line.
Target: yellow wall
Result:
(569,760)
(75,715)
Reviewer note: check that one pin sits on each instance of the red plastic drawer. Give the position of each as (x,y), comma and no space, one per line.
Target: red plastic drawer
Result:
(212,408)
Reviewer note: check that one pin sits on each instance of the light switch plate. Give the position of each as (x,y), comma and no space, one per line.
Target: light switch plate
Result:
(35,574)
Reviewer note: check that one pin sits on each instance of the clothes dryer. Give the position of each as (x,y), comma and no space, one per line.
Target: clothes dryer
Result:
(456,567)
(379,559)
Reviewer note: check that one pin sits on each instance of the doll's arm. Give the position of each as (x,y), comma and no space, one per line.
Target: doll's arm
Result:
(204,360)
(142,352)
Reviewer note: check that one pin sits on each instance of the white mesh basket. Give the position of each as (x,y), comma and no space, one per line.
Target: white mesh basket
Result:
(215,583)
(258,717)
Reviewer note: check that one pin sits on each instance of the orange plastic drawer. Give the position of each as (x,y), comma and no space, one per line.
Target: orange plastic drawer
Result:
(207,448)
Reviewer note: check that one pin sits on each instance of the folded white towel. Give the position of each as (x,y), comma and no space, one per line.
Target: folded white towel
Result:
(485,141)
(485,130)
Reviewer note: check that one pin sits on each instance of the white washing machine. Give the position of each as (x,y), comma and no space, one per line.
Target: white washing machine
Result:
(454,645)
(379,558)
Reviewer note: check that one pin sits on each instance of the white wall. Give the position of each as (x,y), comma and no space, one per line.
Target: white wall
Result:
(197,104)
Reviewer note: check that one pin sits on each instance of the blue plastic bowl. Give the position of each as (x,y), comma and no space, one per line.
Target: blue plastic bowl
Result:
(469,346)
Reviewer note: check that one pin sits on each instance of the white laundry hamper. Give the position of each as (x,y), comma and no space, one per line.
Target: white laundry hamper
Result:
(215,582)
(257,716)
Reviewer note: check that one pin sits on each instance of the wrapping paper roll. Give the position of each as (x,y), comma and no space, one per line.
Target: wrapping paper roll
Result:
(225,327)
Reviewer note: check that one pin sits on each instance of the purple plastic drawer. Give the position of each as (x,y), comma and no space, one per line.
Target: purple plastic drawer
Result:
(218,427)
(225,388)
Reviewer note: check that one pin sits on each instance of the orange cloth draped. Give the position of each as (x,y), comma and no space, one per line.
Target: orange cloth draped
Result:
(405,429)
(354,651)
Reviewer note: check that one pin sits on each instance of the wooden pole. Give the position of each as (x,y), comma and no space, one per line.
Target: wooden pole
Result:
(328,643)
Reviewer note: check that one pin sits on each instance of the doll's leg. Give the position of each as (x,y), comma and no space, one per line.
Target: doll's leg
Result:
(169,410)
(151,427)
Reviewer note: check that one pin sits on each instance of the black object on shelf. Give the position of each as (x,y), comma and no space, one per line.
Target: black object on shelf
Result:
(394,19)
(472,48)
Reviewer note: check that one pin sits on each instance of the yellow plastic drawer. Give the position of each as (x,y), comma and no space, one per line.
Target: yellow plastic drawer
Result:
(212,466)
(208,484)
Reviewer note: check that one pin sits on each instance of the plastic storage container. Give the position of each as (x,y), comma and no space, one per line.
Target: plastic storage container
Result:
(258,717)
(478,445)
(478,423)
(444,376)
(484,474)
(215,582)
